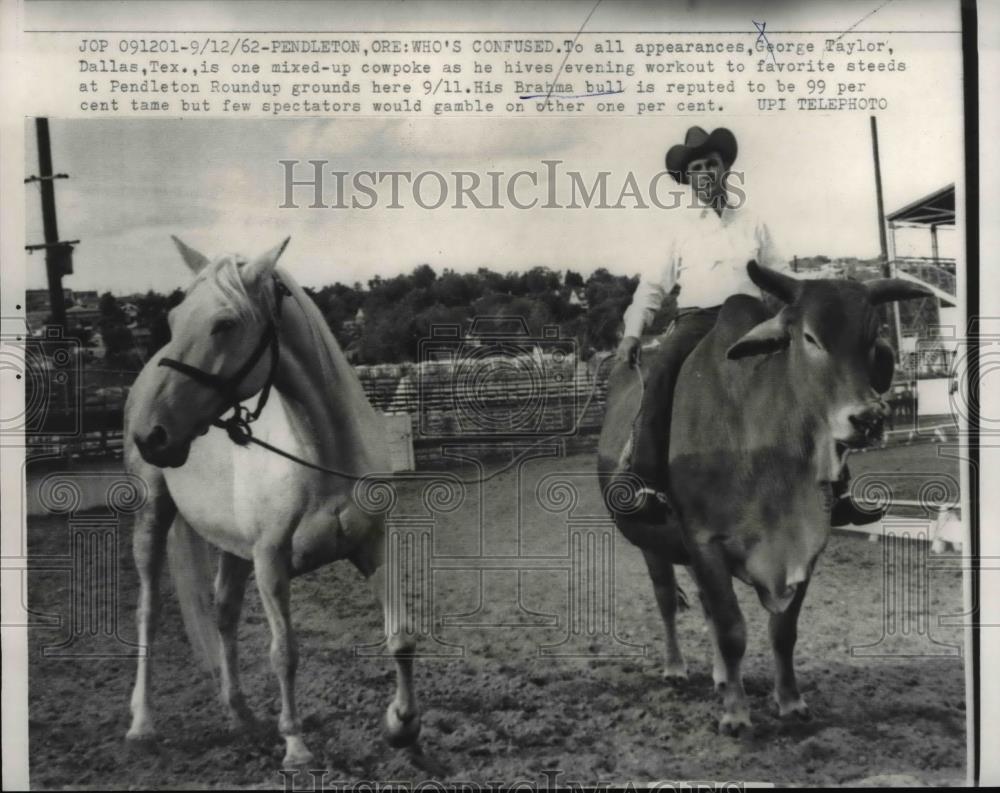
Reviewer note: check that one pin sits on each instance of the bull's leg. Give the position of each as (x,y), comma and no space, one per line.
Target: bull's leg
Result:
(661,572)
(718,663)
(230,586)
(402,717)
(729,632)
(784,631)
(271,566)
(149,547)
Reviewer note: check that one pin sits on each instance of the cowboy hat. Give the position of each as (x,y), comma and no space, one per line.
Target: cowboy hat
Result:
(698,143)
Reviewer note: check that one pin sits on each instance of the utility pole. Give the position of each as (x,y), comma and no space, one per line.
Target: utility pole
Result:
(58,254)
(887,266)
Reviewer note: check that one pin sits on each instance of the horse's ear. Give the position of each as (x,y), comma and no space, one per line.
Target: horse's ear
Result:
(255,272)
(767,337)
(196,261)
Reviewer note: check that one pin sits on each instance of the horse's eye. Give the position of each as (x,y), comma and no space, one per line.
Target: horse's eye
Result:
(811,339)
(223,325)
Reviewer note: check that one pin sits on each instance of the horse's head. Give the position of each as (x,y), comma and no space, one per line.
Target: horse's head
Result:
(218,354)
(838,361)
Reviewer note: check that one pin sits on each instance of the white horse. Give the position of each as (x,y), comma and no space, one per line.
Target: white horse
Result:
(243,327)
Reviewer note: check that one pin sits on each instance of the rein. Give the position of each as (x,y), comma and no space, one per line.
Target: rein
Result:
(238,424)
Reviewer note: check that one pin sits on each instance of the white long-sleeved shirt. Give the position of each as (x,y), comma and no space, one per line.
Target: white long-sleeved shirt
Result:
(707,257)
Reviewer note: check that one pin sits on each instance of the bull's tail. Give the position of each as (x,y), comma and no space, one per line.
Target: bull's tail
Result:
(191,565)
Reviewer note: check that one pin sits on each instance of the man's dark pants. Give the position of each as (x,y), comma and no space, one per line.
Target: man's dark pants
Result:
(652,432)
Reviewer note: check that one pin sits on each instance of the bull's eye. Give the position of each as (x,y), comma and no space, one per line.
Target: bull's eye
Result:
(223,325)
(811,339)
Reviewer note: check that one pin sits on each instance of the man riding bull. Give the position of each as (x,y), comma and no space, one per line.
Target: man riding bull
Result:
(706,263)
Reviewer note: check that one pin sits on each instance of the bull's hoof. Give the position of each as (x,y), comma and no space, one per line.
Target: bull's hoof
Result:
(400,732)
(242,723)
(241,718)
(796,708)
(674,672)
(297,756)
(733,724)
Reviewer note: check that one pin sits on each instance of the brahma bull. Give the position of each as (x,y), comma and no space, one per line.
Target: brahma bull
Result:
(763,410)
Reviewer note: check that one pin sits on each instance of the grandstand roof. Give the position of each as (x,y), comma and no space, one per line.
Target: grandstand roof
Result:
(935,209)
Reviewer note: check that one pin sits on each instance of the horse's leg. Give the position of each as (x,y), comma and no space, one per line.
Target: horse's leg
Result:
(715,587)
(402,717)
(661,572)
(230,585)
(149,547)
(784,631)
(271,566)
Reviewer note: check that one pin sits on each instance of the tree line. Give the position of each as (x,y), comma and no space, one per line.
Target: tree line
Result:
(396,313)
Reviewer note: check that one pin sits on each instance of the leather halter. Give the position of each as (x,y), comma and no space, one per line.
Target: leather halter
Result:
(238,425)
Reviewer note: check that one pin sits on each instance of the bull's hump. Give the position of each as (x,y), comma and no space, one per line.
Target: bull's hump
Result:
(739,314)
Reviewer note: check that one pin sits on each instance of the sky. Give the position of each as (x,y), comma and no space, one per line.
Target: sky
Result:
(217,184)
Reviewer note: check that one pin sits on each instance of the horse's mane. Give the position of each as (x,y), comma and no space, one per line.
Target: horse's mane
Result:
(333,360)
(346,395)
(223,275)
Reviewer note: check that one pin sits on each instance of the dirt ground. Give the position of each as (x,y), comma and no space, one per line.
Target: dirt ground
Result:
(592,709)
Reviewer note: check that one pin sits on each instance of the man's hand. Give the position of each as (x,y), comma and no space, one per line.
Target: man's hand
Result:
(629,351)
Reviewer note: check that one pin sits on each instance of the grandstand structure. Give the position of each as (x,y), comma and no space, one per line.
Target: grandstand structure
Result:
(923,325)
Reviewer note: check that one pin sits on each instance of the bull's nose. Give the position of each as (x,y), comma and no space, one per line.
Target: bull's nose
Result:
(154,441)
(868,423)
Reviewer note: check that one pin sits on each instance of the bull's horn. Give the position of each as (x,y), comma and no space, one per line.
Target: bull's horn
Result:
(783,287)
(885,290)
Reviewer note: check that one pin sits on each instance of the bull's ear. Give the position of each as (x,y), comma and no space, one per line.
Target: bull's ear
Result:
(196,261)
(767,337)
(886,290)
(783,287)
(253,273)
(883,365)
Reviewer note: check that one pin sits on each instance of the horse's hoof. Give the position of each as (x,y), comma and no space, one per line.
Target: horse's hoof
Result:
(675,673)
(296,754)
(400,732)
(733,724)
(141,731)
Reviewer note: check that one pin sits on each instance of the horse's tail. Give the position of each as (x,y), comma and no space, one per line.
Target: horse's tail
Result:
(683,601)
(191,565)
